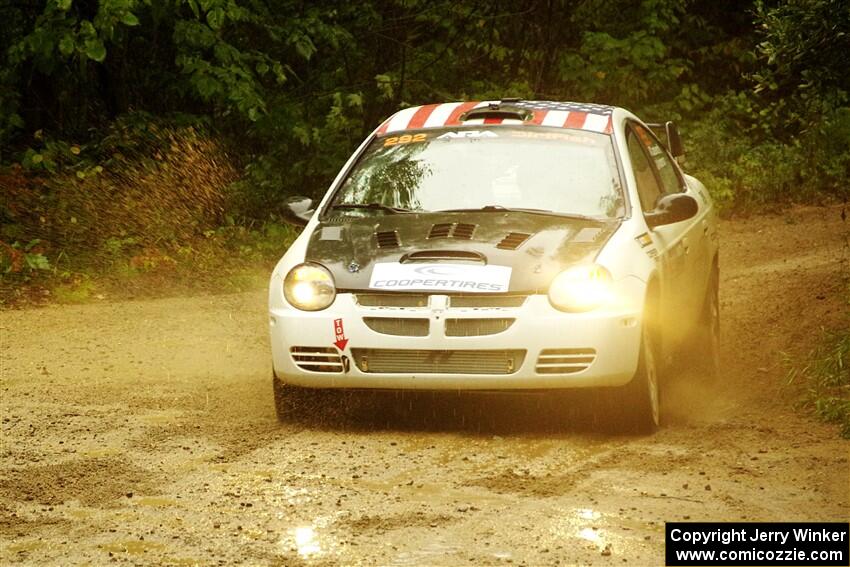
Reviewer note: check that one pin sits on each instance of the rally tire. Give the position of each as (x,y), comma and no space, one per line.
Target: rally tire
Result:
(637,405)
(283,400)
(293,403)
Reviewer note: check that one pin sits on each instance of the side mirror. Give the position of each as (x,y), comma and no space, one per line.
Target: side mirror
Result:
(671,209)
(674,141)
(668,133)
(299,210)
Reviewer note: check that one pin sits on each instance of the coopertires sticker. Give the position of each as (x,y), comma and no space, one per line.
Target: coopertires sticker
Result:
(440,277)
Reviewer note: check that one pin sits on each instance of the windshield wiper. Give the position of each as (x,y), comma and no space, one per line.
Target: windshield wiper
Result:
(374,206)
(501,209)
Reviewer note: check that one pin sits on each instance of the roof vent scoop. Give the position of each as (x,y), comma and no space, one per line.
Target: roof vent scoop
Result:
(513,241)
(497,111)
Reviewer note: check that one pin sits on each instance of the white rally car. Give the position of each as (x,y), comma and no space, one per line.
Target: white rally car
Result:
(501,245)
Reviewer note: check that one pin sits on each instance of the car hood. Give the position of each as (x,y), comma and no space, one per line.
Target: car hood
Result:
(536,247)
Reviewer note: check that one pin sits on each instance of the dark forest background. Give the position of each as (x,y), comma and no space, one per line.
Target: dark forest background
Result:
(149,136)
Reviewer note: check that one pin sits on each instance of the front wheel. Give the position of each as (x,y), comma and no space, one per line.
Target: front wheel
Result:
(292,403)
(283,399)
(637,407)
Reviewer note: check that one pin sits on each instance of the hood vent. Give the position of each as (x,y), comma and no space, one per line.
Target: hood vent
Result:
(387,239)
(442,230)
(458,230)
(463,230)
(513,241)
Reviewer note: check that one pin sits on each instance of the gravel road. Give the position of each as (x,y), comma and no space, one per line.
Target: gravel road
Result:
(144,432)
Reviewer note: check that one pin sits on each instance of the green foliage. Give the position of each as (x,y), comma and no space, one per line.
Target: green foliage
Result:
(145,184)
(62,32)
(22,258)
(735,156)
(629,62)
(804,52)
(827,380)
(131,122)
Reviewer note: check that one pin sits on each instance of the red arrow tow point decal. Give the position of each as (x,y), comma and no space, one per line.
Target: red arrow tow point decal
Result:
(339,334)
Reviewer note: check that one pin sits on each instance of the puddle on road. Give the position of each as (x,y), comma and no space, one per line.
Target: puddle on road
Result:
(306,541)
(429,553)
(154,501)
(132,547)
(183,561)
(100,453)
(410,484)
(169,417)
(79,514)
(25,546)
(609,533)
(295,495)
(592,535)
(582,523)
(310,541)
(588,514)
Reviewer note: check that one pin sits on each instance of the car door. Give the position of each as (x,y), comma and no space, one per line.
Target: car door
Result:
(696,241)
(657,175)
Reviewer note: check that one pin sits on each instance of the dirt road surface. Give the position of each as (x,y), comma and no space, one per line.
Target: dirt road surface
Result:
(144,432)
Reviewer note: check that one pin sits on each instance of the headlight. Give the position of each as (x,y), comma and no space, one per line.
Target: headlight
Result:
(309,287)
(581,288)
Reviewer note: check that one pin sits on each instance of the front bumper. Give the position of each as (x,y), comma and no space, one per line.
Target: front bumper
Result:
(542,348)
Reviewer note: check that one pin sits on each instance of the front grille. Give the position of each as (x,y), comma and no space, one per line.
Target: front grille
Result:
(487,300)
(513,241)
(421,300)
(316,359)
(437,361)
(476,327)
(564,360)
(402,327)
(387,239)
(391,299)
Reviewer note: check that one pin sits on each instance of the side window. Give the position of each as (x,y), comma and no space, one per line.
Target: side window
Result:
(647,184)
(670,181)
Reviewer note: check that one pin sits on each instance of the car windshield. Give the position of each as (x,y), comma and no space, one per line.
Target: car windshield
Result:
(528,168)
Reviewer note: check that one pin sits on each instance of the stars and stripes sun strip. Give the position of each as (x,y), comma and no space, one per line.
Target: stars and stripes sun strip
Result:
(596,122)
(554,118)
(441,114)
(582,116)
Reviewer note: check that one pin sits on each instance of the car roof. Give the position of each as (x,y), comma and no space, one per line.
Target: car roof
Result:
(574,115)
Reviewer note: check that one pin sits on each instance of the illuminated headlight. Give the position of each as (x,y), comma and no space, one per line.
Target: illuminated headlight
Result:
(581,288)
(309,287)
